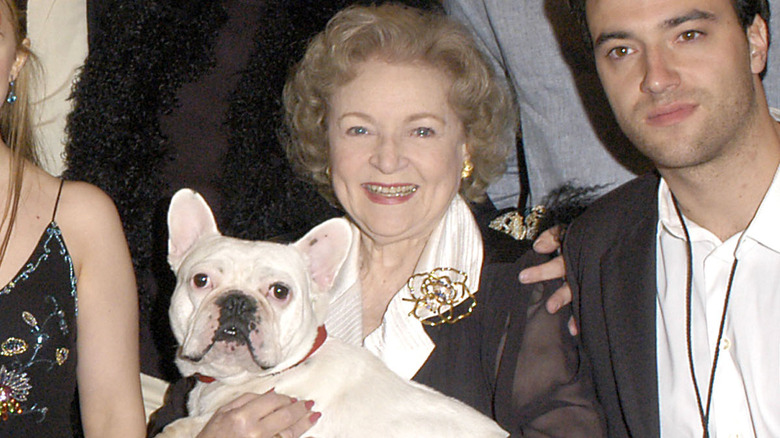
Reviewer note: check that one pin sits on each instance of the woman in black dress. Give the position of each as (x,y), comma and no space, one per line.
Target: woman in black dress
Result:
(68,305)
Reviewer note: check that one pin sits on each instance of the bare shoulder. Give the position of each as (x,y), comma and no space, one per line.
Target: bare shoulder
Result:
(88,219)
(82,204)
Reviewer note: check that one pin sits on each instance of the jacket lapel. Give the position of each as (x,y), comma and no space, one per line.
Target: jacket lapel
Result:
(629,300)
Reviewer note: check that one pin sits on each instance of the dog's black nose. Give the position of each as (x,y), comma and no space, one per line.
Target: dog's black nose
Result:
(236,305)
(236,317)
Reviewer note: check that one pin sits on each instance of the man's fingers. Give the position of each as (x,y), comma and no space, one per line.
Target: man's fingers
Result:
(560,298)
(551,270)
(573,329)
(549,241)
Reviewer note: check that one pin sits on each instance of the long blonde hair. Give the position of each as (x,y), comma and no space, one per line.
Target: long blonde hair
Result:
(15,123)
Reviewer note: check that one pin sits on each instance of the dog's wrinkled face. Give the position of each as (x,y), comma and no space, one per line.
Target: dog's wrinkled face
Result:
(233,300)
(243,306)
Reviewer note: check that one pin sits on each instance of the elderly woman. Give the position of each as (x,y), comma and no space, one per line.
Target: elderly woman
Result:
(396,117)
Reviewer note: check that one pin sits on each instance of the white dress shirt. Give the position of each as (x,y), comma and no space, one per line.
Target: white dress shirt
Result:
(400,340)
(746,392)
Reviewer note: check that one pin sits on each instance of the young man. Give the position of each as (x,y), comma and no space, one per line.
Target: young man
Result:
(676,275)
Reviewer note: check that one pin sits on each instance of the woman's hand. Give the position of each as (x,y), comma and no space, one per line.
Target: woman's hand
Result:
(547,243)
(268,415)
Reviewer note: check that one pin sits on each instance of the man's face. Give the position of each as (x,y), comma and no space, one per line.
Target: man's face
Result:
(680,75)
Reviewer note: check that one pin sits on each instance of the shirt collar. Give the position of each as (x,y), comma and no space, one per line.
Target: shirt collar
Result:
(670,221)
(763,229)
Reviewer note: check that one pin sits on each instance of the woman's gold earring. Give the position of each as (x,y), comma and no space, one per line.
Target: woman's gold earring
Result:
(327,172)
(468,167)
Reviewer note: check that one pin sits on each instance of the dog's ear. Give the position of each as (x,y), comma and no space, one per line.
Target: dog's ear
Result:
(189,219)
(326,247)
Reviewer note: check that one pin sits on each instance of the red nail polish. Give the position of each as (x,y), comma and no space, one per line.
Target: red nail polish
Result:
(293,400)
(314,417)
(309,404)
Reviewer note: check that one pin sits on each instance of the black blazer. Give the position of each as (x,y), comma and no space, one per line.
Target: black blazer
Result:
(610,254)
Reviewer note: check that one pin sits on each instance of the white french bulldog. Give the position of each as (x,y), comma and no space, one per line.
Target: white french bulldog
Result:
(249,316)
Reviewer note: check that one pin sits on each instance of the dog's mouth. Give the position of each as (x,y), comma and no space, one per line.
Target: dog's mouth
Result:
(237,315)
(236,332)
(230,333)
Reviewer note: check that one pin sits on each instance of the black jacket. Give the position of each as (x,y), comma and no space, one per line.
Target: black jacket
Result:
(610,254)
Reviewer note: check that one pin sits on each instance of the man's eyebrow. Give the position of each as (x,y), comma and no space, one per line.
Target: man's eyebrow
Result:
(693,15)
(604,37)
(690,16)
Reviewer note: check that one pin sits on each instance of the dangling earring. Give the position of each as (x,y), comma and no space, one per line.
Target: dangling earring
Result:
(327,172)
(468,167)
(11,98)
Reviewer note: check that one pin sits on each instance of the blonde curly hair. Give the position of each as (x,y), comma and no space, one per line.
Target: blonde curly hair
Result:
(398,34)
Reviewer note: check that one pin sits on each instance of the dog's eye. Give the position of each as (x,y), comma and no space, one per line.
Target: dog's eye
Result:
(279,291)
(200,280)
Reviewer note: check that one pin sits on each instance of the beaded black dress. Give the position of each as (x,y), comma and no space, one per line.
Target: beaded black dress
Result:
(38,342)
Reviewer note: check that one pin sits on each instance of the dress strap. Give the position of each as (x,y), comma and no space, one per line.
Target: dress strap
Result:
(57,203)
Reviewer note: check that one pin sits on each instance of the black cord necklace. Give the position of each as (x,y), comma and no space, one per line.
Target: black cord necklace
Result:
(704,410)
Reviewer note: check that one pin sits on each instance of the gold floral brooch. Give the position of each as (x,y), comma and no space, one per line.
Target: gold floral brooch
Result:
(437,293)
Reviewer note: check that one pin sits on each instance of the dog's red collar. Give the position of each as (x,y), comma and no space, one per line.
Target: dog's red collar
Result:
(204,379)
(322,335)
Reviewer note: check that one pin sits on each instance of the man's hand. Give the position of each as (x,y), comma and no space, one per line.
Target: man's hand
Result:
(547,243)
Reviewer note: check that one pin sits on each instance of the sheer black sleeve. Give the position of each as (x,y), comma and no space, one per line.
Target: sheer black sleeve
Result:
(542,388)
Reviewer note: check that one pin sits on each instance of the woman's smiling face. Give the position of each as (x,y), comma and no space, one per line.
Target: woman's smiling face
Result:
(396,149)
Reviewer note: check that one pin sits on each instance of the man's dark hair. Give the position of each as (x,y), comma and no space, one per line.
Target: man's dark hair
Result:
(746,11)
